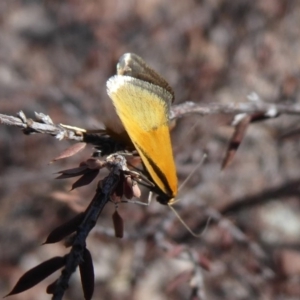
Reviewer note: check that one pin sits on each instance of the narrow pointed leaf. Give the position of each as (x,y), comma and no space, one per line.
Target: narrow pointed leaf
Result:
(65,229)
(127,187)
(118,224)
(236,139)
(87,275)
(259,117)
(51,287)
(70,151)
(37,274)
(85,179)
(264,116)
(136,189)
(74,172)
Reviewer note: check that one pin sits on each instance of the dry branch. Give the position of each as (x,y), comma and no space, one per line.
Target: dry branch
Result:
(270,110)
(92,213)
(43,123)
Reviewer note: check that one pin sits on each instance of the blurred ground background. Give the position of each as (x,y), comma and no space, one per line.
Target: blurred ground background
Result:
(55,57)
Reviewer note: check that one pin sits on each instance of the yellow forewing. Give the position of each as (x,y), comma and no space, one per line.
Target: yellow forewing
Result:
(143,109)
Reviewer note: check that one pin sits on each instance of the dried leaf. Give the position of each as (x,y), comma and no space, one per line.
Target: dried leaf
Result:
(236,139)
(51,287)
(204,262)
(259,117)
(85,179)
(179,280)
(86,269)
(127,187)
(70,151)
(94,163)
(74,172)
(65,229)
(118,224)
(37,274)
(136,189)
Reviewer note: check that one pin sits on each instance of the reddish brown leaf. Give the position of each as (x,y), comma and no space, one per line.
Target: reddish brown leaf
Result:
(73,171)
(70,151)
(86,269)
(127,187)
(204,262)
(85,179)
(94,163)
(259,117)
(118,224)
(65,229)
(51,288)
(69,173)
(179,280)
(236,139)
(37,274)
(136,189)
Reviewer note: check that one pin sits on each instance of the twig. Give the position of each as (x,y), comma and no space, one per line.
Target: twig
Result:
(269,109)
(74,258)
(44,124)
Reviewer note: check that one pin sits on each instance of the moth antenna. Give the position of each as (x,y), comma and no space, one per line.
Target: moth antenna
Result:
(192,127)
(192,173)
(197,235)
(176,200)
